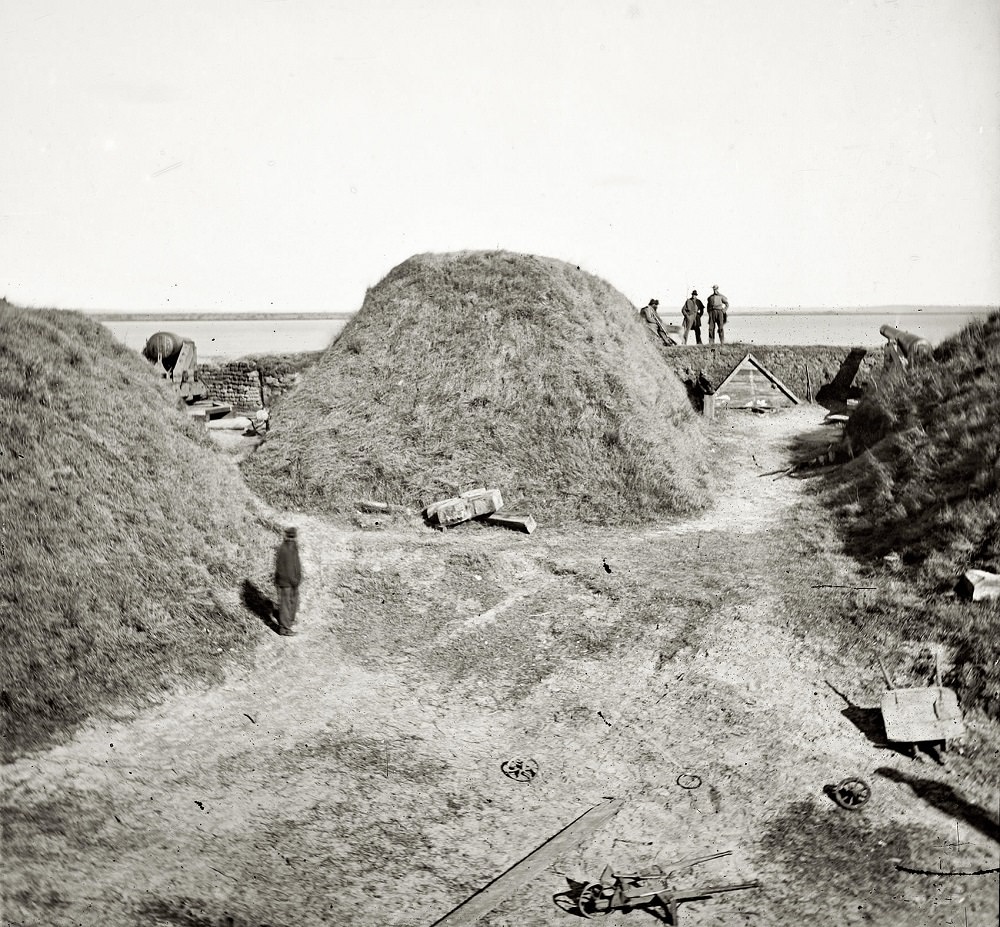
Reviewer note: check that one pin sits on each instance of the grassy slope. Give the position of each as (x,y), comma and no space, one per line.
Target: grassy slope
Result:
(123,531)
(495,369)
(927,488)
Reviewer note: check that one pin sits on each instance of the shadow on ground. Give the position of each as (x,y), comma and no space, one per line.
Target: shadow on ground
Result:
(261,604)
(869,722)
(946,799)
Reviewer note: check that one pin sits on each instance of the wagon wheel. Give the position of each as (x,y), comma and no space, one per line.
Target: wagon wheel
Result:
(851,793)
(594,899)
(689,781)
(519,770)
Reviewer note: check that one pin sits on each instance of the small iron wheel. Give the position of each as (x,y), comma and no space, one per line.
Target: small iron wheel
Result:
(594,899)
(851,793)
(689,781)
(519,770)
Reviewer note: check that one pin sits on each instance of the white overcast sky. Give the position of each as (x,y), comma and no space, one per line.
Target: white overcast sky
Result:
(285,154)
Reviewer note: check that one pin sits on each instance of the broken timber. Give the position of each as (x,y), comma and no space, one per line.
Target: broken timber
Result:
(512,520)
(468,505)
(521,873)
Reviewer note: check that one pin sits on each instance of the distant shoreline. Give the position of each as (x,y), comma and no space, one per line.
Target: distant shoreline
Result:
(343,316)
(214,316)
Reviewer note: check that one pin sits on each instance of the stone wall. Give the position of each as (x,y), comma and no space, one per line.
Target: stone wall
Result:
(817,373)
(235,382)
(253,383)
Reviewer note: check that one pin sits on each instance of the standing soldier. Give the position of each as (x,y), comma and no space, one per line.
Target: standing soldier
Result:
(717,315)
(692,311)
(287,576)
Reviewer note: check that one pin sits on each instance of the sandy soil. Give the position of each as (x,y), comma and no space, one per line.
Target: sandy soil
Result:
(352,775)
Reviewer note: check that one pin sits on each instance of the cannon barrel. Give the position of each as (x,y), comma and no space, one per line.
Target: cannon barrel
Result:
(912,346)
(165,347)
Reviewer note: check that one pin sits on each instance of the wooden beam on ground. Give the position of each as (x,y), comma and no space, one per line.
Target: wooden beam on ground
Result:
(512,520)
(521,873)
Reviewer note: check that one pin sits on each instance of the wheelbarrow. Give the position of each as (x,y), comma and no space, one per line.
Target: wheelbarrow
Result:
(626,891)
(923,714)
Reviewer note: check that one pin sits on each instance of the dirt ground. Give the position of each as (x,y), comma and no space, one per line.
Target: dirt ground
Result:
(353,774)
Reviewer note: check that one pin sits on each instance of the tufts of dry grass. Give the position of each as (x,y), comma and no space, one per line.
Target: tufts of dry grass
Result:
(926,487)
(123,532)
(495,369)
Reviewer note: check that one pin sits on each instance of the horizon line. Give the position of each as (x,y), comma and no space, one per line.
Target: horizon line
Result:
(188,315)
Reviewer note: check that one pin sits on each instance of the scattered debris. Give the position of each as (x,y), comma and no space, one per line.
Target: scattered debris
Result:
(475,503)
(978,585)
(468,505)
(522,872)
(519,770)
(259,423)
(851,793)
(631,890)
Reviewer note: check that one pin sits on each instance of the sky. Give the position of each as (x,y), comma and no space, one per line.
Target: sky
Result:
(284,155)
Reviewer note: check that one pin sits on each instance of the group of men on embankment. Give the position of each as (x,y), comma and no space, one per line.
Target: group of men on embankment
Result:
(692,312)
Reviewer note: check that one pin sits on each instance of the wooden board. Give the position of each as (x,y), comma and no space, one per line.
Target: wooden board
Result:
(915,715)
(513,520)
(469,505)
(521,873)
(748,387)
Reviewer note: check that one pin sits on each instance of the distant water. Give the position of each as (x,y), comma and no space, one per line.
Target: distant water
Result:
(235,339)
(854,328)
(784,326)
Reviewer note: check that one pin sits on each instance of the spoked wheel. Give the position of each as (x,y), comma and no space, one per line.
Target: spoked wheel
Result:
(851,793)
(519,770)
(594,899)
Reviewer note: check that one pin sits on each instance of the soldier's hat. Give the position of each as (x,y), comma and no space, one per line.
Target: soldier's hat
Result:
(291,532)
(694,292)
(654,302)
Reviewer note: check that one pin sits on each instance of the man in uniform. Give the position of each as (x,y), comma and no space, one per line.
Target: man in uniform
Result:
(287,576)
(717,315)
(692,311)
(651,316)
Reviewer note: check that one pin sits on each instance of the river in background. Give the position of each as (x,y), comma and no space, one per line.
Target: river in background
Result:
(238,338)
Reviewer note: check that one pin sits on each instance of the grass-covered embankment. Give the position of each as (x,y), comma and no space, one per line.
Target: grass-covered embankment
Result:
(124,532)
(489,369)
(925,486)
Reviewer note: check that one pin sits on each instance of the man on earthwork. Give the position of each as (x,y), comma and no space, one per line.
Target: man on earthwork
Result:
(651,316)
(717,315)
(692,311)
(287,576)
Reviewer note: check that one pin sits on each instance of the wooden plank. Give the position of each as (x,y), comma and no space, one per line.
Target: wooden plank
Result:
(512,520)
(471,504)
(521,873)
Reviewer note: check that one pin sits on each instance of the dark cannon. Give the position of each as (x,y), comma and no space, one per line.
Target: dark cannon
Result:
(905,348)
(176,359)
(164,347)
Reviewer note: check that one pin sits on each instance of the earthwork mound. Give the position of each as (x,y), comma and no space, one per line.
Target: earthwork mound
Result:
(125,534)
(491,369)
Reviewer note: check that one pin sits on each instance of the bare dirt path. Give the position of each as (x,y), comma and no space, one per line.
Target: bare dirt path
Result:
(352,776)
